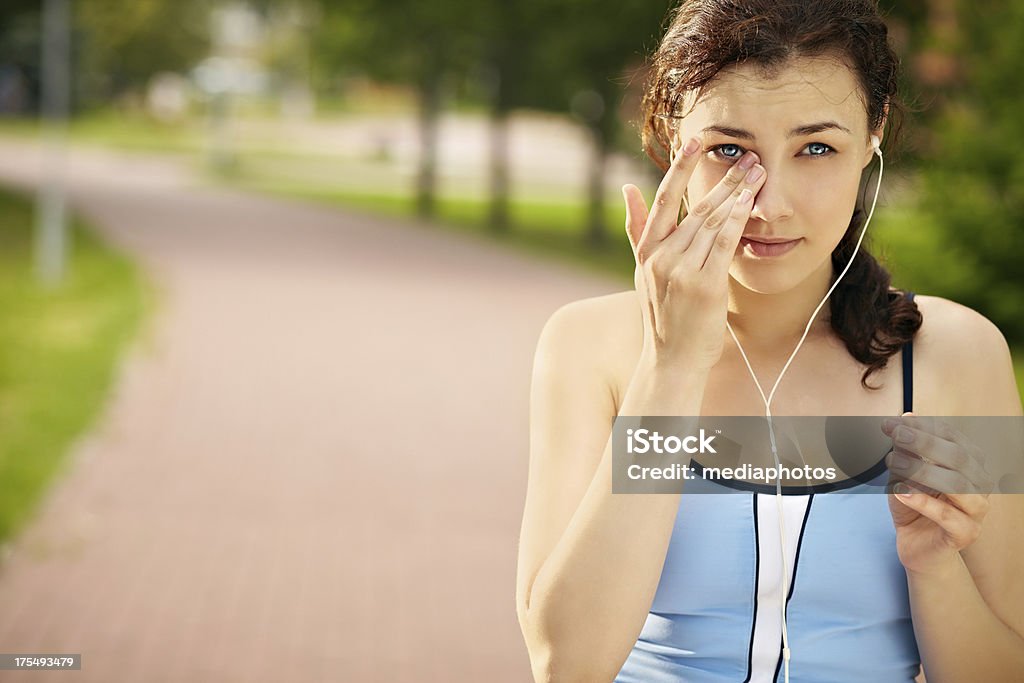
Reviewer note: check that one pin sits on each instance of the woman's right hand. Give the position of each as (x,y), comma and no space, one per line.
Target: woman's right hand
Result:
(682,270)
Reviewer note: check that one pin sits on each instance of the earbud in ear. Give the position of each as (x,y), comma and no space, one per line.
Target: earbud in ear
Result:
(876,144)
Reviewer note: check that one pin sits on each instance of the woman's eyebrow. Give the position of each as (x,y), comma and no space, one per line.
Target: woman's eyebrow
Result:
(807,129)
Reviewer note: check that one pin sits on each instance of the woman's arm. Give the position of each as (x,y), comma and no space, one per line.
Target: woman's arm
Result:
(589,561)
(969,619)
(996,558)
(959,637)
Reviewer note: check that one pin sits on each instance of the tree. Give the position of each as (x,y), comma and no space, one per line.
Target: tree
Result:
(511,34)
(597,42)
(974,173)
(20,47)
(123,44)
(407,41)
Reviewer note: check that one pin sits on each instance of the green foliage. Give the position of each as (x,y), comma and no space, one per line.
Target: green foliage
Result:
(398,40)
(973,181)
(13,10)
(58,350)
(19,38)
(123,44)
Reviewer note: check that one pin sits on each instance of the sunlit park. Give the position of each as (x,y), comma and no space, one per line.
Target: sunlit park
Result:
(271,278)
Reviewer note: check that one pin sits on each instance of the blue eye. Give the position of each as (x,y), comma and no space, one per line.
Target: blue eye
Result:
(721,151)
(823,149)
(731,152)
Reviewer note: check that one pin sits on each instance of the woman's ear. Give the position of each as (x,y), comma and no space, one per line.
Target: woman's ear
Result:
(870,152)
(877,132)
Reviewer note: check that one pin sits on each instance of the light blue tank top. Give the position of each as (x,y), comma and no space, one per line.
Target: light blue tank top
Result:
(716,616)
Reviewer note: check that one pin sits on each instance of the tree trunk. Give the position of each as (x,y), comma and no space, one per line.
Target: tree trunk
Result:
(596,235)
(430,114)
(498,219)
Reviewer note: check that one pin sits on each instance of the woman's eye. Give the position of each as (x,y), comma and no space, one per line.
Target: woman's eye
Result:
(818,149)
(728,152)
(731,152)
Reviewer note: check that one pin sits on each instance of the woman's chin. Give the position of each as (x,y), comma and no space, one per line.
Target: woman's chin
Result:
(766,283)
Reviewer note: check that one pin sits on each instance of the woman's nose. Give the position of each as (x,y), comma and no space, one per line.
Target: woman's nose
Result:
(772,202)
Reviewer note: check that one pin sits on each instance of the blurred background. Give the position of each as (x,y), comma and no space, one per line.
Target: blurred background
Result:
(271,278)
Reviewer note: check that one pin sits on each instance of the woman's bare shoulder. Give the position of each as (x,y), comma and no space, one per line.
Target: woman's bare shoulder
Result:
(602,318)
(606,332)
(950,328)
(964,349)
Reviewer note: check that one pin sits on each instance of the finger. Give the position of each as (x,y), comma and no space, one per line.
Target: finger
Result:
(664,214)
(945,430)
(974,504)
(723,249)
(728,185)
(936,449)
(636,214)
(709,232)
(962,529)
(896,479)
(931,424)
(728,189)
(907,467)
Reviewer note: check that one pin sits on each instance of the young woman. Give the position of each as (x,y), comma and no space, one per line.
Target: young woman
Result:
(767,111)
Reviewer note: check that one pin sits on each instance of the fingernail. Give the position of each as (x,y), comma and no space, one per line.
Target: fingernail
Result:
(691,146)
(745,196)
(888,423)
(746,162)
(897,462)
(902,490)
(904,435)
(754,174)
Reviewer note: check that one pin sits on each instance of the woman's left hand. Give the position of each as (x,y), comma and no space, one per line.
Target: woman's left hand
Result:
(949,488)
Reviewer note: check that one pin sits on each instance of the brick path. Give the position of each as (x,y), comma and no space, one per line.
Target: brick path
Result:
(313,465)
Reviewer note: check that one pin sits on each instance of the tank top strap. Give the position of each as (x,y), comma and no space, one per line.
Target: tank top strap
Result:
(908,370)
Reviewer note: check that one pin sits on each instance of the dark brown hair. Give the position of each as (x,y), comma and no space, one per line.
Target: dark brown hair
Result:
(705,36)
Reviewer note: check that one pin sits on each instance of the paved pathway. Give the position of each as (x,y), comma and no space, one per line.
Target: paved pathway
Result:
(313,465)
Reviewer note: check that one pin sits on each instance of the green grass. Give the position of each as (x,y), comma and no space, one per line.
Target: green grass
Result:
(1018,367)
(58,352)
(550,230)
(109,128)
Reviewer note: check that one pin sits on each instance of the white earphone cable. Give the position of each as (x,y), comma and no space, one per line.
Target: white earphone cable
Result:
(786,653)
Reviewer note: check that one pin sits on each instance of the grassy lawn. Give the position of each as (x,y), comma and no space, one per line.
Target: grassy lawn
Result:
(550,230)
(129,133)
(58,353)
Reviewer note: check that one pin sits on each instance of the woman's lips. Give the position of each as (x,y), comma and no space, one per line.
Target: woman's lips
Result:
(765,250)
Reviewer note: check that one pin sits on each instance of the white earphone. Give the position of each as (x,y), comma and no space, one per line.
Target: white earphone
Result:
(786,652)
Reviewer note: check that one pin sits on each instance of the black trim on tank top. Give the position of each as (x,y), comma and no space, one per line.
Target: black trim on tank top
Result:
(792,585)
(757,575)
(908,370)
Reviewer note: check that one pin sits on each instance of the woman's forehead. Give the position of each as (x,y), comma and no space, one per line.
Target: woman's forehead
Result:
(803,89)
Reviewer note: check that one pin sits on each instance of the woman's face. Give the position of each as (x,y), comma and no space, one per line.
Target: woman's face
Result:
(808,125)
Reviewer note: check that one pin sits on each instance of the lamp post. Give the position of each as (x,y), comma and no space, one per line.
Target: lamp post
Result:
(51,216)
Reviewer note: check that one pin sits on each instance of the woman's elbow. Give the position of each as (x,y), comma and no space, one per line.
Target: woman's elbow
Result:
(552,660)
(548,666)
